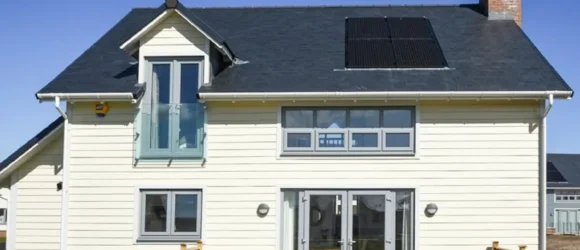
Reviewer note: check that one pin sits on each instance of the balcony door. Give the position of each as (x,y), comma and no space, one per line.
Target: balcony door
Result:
(348,220)
(172,116)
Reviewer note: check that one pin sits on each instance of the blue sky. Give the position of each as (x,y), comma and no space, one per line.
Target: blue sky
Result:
(40,38)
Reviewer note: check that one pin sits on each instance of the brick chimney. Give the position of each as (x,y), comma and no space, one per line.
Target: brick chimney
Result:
(503,10)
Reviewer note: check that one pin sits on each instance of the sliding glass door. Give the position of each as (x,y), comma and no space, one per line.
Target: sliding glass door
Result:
(341,220)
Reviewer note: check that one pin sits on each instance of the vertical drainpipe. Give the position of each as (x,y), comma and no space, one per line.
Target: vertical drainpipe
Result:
(65,174)
(544,110)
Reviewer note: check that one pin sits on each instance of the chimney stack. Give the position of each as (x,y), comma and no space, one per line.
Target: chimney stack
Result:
(503,10)
(171,4)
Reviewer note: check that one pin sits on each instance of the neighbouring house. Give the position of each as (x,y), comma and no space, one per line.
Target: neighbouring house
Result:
(563,196)
(345,127)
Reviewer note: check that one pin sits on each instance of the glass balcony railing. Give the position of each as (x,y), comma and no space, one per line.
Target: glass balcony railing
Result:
(172,130)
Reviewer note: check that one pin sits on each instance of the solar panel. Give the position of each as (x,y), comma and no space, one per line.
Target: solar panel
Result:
(370,54)
(393,42)
(418,54)
(409,28)
(367,28)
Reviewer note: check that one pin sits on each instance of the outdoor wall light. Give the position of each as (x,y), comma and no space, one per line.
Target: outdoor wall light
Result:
(263,209)
(431,209)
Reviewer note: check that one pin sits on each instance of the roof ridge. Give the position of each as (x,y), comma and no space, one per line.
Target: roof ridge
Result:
(328,6)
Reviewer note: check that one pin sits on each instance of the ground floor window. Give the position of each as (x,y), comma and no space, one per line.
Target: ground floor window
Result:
(347,219)
(170,215)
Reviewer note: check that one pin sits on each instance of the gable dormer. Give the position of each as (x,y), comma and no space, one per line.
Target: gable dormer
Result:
(178,32)
(177,54)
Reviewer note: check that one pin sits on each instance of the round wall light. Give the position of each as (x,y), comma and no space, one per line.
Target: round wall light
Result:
(263,209)
(431,209)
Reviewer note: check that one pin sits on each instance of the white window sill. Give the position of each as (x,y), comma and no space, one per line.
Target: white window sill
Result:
(167,240)
(347,156)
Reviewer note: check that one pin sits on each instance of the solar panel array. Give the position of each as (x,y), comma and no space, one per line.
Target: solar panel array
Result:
(392,42)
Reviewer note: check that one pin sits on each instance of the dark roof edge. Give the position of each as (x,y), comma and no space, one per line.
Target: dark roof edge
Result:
(137,93)
(335,6)
(30,143)
(543,57)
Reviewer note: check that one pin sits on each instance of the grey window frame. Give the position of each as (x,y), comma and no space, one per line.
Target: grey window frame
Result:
(410,131)
(198,220)
(3,216)
(169,234)
(173,151)
(376,131)
(318,131)
(299,131)
(348,148)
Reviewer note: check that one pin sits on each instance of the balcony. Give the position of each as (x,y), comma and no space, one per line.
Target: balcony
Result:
(172,131)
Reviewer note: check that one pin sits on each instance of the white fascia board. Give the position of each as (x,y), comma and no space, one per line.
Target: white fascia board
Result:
(135,38)
(219,45)
(4,173)
(79,97)
(429,95)
(158,20)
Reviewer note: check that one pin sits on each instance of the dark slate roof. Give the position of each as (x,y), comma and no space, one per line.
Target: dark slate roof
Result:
(30,143)
(104,67)
(299,49)
(568,165)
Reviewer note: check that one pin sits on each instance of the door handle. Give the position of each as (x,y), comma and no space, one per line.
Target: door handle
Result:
(389,241)
(340,242)
(351,242)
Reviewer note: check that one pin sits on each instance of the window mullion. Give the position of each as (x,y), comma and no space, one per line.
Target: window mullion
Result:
(170,213)
(175,105)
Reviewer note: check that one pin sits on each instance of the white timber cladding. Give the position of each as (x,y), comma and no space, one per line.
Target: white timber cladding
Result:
(174,37)
(38,203)
(478,162)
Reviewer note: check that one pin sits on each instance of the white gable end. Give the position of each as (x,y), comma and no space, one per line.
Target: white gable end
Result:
(173,37)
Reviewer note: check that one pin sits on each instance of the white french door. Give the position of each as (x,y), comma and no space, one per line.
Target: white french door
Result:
(347,220)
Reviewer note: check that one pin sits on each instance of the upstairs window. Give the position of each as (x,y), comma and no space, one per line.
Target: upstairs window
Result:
(172,119)
(352,130)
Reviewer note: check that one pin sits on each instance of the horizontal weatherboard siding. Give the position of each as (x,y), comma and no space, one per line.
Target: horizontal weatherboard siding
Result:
(38,205)
(471,157)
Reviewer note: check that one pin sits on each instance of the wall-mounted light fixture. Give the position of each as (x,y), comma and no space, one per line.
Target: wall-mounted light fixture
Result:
(263,209)
(431,209)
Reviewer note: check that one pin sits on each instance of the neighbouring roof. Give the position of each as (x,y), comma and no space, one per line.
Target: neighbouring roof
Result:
(301,49)
(563,170)
(31,143)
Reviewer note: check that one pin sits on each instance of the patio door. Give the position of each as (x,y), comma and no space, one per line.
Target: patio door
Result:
(348,220)
(567,221)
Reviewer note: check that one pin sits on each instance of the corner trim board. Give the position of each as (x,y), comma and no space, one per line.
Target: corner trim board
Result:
(11,227)
(65,183)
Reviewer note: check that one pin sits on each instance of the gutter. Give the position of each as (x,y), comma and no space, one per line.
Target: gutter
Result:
(544,111)
(87,97)
(385,95)
(65,178)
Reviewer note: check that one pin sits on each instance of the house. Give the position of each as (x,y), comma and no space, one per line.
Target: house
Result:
(345,127)
(563,197)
